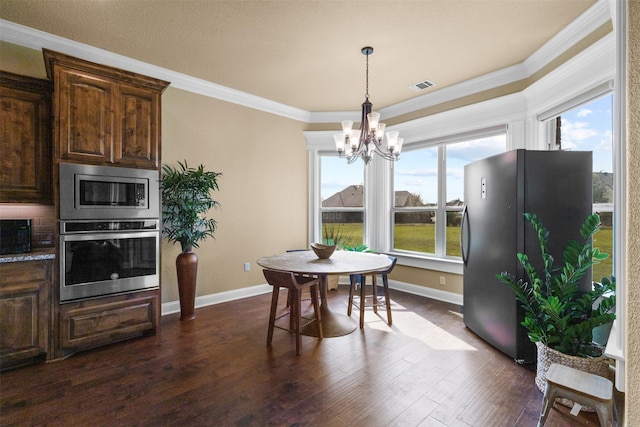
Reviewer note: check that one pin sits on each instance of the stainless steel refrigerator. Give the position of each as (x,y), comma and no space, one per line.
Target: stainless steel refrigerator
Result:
(498,190)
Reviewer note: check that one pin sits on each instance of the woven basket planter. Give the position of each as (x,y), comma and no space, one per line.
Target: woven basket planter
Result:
(593,365)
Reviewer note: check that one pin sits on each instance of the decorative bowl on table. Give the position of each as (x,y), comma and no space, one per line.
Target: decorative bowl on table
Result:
(323,251)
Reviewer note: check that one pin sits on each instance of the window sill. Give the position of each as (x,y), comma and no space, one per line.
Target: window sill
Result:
(429,263)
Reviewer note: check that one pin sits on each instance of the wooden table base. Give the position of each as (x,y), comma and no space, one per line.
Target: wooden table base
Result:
(333,324)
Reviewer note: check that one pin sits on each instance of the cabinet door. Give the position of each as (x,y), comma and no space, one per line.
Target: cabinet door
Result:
(25,140)
(24,311)
(137,131)
(85,117)
(106,320)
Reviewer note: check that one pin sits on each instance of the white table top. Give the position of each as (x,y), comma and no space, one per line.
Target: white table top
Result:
(341,262)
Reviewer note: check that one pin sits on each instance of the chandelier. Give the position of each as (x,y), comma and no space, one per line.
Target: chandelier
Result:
(354,143)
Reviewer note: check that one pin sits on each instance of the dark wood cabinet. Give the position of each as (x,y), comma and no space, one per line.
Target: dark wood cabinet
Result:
(136,142)
(95,322)
(104,115)
(84,118)
(25,139)
(24,312)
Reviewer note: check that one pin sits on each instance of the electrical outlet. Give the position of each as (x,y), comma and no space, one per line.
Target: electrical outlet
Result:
(442,281)
(247,266)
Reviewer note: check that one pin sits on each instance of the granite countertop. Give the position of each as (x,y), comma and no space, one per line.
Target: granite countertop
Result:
(34,255)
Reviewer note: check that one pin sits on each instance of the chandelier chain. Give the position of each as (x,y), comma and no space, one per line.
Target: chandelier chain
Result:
(366,94)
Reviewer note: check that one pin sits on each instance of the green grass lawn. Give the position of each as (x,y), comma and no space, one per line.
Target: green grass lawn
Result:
(421,238)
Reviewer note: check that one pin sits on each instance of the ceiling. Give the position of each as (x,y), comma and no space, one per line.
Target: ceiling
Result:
(306,53)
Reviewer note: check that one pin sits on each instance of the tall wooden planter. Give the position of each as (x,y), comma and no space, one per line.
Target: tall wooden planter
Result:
(187,269)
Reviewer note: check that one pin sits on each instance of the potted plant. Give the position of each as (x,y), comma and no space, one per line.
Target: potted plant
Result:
(186,198)
(559,316)
(334,234)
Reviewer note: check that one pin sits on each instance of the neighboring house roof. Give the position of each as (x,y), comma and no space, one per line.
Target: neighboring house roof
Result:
(352,197)
(402,198)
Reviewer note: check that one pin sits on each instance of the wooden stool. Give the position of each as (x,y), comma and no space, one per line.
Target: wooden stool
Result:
(580,387)
(375,302)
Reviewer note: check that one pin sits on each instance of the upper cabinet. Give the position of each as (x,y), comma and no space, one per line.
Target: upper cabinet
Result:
(25,139)
(104,115)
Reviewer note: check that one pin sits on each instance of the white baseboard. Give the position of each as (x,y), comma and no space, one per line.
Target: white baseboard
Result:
(450,297)
(217,298)
(220,297)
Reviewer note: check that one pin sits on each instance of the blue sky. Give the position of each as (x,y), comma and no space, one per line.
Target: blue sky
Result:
(587,128)
(337,174)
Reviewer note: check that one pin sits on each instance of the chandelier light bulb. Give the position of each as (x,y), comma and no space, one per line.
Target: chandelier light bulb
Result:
(398,147)
(339,139)
(380,131)
(373,119)
(392,140)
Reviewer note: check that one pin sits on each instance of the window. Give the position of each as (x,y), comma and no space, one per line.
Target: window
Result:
(342,204)
(589,127)
(429,194)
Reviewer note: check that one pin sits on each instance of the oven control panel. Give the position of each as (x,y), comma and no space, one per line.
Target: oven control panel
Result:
(72,227)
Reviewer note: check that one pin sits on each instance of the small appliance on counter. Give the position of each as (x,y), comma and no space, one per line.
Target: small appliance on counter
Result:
(15,236)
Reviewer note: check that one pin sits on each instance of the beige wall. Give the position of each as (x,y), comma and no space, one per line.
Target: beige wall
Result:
(263,187)
(20,60)
(428,278)
(632,351)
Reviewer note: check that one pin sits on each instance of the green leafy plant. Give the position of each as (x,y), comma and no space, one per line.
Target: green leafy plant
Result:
(357,248)
(186,197)
(558,313)
(334,234)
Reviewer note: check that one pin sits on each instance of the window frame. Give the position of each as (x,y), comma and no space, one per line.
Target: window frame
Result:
(439,261)
(315,196)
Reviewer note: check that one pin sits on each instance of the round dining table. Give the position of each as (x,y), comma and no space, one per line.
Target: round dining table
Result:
(334,324)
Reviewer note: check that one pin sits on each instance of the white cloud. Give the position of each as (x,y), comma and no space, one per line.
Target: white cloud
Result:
(584,112)
(606,142)
(469,151)
(417,172)
(575,132)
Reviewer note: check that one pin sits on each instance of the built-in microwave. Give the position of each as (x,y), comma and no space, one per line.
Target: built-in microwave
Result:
(107,192)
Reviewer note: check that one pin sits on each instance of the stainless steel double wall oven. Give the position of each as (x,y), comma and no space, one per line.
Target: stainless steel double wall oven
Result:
(109,230)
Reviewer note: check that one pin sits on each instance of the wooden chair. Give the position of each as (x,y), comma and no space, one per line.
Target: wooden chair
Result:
(289,294)
(580,387)
(295,285)
(374,294)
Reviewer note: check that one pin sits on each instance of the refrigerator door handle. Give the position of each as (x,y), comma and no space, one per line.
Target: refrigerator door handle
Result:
(465,216)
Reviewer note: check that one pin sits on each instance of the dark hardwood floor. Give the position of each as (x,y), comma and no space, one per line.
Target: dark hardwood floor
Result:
(425,370)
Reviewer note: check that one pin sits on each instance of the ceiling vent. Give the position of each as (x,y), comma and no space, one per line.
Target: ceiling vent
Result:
(425,84)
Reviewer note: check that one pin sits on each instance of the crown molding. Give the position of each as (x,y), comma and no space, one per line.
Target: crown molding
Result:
(469,87)
(482,115)
(585,24)
(28,37)
(570,79)
(592,19)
